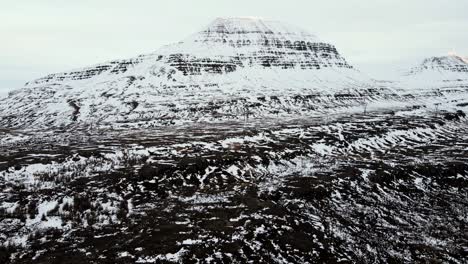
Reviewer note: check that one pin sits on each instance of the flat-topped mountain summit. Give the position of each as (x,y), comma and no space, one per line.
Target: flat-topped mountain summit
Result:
(244,42)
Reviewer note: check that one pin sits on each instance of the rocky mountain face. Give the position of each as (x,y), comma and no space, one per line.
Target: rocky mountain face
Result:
(233,68)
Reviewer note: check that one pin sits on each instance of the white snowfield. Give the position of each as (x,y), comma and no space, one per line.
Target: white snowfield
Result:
(235,67)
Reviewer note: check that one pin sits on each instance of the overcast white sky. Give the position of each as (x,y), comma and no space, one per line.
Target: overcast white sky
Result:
(46,36)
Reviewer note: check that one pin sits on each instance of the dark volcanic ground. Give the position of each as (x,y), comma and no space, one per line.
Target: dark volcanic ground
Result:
(374,188)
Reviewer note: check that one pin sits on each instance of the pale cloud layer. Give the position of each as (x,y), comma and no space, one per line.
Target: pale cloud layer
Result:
(41,37)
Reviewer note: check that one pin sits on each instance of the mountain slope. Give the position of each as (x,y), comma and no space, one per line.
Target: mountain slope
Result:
(233,68)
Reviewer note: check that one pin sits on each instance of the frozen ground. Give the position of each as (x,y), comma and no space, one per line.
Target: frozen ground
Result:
(387,187)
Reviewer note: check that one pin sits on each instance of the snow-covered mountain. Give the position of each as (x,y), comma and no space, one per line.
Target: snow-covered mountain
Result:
(447,73)
(233,67)
(437,82)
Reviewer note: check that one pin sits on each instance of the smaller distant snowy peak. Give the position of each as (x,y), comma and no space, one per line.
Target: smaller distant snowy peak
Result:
(451,63)
(447,74)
